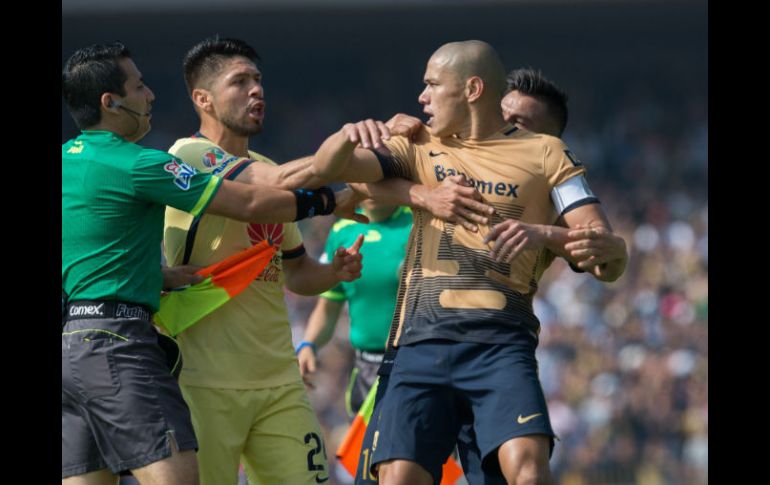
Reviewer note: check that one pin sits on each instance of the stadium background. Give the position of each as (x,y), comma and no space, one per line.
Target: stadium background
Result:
(624,366)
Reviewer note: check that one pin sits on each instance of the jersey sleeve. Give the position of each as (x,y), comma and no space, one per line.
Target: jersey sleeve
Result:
(167,180)
(206,157)
(401,160)
(292,246)
(559,163)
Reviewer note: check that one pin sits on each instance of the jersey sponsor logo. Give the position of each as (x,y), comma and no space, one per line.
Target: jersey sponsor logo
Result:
(77,147)
(182,173)
(82,310)
(573,158)
(126,311)
(225,164)
(216,157)
(491,187)
(259,232)
(521,420)
(274,235)
(212,157)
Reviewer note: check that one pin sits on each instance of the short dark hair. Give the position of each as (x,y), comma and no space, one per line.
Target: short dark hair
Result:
(532,83)
(89,73)
(206,58)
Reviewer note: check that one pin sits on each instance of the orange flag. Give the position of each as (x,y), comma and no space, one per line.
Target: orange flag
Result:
(349,451)
(225,279)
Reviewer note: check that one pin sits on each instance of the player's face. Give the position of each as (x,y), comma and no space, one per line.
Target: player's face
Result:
(443,100)
(238,97)
(529,113)
(138,98)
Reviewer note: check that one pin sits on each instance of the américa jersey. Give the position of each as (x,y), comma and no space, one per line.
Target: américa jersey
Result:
(246,343)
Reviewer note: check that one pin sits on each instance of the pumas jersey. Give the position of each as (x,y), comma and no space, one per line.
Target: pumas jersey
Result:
(451,287)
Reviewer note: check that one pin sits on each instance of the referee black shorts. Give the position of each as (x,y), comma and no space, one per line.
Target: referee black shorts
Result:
(121,406)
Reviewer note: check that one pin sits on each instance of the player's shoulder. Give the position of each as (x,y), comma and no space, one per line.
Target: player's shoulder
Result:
(193,146)
(203,154)
(152,155)
(420,138)
(541,139)
(258,157)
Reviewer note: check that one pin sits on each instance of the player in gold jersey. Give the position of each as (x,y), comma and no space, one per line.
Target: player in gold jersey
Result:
(467,334)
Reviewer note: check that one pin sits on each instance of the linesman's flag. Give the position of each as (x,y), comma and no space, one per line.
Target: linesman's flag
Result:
(349,450)
(225,279)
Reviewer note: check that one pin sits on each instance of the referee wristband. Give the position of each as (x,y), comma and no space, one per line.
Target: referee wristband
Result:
(304,344)
(319,202)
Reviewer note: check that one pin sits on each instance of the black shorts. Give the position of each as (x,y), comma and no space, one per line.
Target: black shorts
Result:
(361,380)
(121,407)
(437,387)
(467,447)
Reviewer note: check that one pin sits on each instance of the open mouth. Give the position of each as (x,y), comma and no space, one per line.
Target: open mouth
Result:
(257,111)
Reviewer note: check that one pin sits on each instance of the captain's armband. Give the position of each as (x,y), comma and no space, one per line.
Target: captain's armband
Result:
(572,194)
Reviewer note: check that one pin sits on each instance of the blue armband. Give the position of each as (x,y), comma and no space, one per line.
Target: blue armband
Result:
(304,344)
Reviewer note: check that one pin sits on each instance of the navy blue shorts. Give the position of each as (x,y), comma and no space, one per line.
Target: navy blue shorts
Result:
(437,387)
(121,406)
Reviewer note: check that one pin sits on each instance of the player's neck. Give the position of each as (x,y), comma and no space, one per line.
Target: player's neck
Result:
(224,138)
(484,125)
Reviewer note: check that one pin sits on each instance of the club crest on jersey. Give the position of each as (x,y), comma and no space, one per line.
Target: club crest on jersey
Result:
(212,157)
(182,172)
(215,157)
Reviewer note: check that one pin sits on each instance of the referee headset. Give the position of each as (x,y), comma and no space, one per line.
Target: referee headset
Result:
(116,104)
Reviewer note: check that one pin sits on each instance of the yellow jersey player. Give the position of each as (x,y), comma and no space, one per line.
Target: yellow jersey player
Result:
(240,375)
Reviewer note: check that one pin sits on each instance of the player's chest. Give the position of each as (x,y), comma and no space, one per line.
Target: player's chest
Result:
(503,180)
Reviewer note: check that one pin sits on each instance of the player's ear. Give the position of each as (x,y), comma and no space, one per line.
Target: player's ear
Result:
(201,98)
(474,86)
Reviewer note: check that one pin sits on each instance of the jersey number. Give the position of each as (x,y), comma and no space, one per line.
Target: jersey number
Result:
(312,453)
(366,471)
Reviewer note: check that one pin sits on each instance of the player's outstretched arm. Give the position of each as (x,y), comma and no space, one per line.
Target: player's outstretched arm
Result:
(455,200)
(339,159)
(264,204)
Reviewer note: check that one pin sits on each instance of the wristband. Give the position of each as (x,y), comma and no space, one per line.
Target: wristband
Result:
(304,344)
(311,202)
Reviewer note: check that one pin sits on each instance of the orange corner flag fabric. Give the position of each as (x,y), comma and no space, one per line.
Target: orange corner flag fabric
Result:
(225,279)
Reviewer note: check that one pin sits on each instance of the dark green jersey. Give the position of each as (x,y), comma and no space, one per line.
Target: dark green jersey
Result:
(371,298)
(114,196)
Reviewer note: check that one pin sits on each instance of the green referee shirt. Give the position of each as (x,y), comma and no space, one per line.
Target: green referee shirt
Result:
(371,298)
(114,196)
